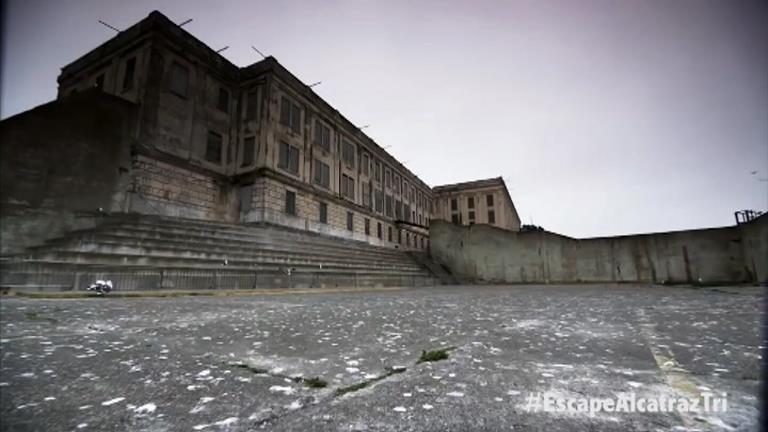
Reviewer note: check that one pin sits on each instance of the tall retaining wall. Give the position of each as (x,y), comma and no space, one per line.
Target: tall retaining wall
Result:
(484,253)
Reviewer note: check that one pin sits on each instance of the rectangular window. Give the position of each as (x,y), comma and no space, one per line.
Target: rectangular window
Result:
(377,171)
(366,194)
(378,230)
(455,218)
(398,210)
(323,213)
(489,200)
(223,103)
(213,148)
(290,202)
(322,174)
(252,105)
(322,136)
(347,187)
(365,164)
(387,178)
(179,79)
(389,233)
(388,206)
(288,158)
(397,184)
(471,202)
(367,226)
(471,217)
(407,212)
(100,81)
(350,221)
(348,153)
(379,198)
(491,217)
(290,114)
(130,74)
(454,204)
(249,149)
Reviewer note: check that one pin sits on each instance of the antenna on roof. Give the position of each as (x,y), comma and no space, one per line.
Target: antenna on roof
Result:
(314,84)
(364,127)
(107,25)
(260,53)
(222,49)
(182,24)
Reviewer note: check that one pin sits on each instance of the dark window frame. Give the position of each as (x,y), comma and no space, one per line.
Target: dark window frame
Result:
(175,85)
(215,146)
(290,203)
(129,75)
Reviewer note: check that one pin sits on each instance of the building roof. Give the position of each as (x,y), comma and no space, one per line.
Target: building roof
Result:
(157,22)
(474,184)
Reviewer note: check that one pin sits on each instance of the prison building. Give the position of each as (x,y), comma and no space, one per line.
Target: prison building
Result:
(476,202)
(217,142)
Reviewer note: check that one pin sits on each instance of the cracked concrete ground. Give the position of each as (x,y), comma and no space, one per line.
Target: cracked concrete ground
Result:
(169,364)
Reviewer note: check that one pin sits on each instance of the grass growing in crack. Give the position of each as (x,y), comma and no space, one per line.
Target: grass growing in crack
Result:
(254,369)
(314,382)
(433,355)
(363,384)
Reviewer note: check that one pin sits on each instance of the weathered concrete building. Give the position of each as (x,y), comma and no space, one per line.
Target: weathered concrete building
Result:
(254,144)
(476,202)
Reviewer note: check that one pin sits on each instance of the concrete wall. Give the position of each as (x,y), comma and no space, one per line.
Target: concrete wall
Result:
(709,256)
(61,162)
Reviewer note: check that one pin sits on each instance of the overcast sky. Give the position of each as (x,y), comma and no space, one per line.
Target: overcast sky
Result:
(604,117)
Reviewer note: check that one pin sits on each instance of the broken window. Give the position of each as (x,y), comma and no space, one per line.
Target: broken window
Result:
(322,174)
(322,136)
(348,187)
(348,153)
(290,114)
(288,158)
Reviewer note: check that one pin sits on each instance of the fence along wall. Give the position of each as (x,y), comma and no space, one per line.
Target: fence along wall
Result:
(720,255)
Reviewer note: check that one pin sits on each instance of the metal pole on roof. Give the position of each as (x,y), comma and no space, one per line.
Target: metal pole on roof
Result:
(185,22)
(107,25)
(314,84)
(222,49)
(260,53)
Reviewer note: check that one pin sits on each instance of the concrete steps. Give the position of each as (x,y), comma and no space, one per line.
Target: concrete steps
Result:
(146,252)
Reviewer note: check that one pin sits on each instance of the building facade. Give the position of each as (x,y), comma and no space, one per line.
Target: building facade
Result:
(209,140)
(254,144)
(476,202)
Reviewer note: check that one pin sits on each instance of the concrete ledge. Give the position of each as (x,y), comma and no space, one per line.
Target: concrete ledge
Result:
(192,293)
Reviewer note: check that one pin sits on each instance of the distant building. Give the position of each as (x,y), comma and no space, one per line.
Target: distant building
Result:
(476,202)
(205,139)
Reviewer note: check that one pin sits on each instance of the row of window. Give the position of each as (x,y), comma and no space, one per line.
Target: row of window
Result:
(178,84)
(290,116)
(290,208)
(456,215)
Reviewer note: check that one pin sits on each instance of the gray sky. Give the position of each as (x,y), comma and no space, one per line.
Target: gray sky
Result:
(604,117)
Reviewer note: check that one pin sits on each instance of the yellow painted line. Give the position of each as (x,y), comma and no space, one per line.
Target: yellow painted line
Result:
(677,378)
(197,293)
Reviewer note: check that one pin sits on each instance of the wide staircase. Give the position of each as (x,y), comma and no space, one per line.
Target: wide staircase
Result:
(149,253)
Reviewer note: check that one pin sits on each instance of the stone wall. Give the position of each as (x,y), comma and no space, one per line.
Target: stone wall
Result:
(61,164)
(163,188)
(708,256)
